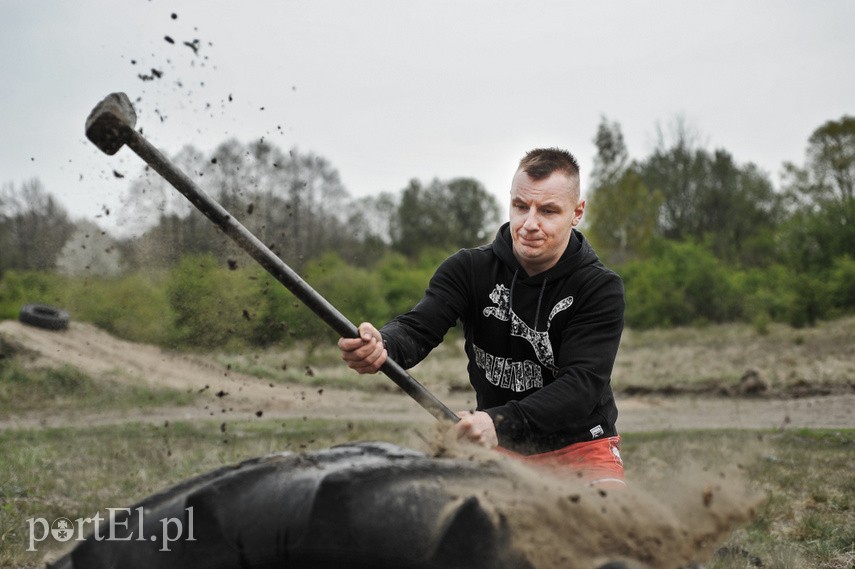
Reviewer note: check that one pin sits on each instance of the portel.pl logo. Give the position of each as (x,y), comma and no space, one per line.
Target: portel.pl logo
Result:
(117,528)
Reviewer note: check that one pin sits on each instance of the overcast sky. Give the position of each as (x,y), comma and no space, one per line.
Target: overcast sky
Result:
(393,90)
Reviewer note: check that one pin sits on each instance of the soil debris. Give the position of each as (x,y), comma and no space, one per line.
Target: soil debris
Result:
(752,383)
(738,553)
(155,74)
(557,521)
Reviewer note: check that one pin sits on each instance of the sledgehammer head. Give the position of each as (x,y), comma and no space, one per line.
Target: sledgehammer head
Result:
(111,123)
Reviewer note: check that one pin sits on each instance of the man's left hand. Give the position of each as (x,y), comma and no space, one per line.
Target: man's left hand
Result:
(477,427)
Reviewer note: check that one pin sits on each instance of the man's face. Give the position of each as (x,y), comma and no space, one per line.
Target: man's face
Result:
(543,213)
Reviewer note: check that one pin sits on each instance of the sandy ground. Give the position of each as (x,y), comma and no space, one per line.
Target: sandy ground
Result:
(233,395)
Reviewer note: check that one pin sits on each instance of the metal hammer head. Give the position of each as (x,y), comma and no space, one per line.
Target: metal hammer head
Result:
(111,123)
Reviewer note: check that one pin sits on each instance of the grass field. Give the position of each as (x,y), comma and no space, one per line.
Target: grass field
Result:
(806,517)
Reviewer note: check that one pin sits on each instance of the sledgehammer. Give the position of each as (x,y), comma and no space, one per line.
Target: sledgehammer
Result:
(111,125)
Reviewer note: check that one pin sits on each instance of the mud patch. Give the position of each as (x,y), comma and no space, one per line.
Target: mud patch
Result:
(797,390)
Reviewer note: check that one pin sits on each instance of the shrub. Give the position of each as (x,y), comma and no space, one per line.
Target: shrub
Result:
(652,300)
(811,300)
(404,284)
(842,284)
(766,294)
(357,293)
(133,306)
(213,307)
(273,322)
(29,287)
(681,283)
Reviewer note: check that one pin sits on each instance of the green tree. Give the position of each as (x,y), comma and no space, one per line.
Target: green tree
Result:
(831,161)
(368,221)
(612,159)
(475,213)
(622,213)
(677,169)
(453,214)
(622,216)
(710,197)
(822,197)
(739,211)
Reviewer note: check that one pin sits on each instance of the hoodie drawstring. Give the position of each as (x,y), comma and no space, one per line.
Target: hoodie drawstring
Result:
(539,298)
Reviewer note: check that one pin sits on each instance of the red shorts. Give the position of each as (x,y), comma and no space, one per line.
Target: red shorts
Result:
(594,462)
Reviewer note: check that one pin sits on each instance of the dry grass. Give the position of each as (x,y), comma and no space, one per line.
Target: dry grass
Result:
(784,356)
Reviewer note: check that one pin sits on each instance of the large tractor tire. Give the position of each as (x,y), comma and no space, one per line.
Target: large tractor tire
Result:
(365,506)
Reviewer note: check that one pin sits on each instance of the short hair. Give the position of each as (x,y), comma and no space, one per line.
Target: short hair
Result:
(540,163)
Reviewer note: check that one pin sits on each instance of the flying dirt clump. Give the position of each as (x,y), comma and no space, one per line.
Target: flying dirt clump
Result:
(558,522)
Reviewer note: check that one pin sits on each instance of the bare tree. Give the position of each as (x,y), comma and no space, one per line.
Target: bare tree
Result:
(295,203)
(33,227)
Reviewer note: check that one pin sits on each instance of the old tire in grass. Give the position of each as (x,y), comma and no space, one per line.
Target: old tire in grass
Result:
(365,506)
(44,316)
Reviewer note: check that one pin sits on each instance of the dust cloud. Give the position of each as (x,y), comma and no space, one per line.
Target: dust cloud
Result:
(658,521)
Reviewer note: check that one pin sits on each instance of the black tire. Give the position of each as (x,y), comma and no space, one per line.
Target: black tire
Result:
(355,506)
(44,316)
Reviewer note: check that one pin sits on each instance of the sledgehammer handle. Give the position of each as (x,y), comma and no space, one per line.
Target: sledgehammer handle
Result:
(276,267)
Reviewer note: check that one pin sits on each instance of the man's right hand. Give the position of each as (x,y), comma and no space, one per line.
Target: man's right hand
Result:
(364,354)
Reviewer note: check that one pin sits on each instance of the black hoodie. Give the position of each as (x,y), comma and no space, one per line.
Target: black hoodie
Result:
(541,348)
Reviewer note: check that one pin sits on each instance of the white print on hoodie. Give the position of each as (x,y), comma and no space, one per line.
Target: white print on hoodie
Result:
(519,376)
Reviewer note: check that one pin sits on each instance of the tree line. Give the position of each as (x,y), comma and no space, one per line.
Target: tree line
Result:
(683,192)
(697,237)
(700,237)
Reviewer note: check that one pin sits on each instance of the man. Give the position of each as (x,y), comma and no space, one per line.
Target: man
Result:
(542,319)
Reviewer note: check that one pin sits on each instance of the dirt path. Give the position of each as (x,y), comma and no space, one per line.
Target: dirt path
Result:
(223,393)
(226,394)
